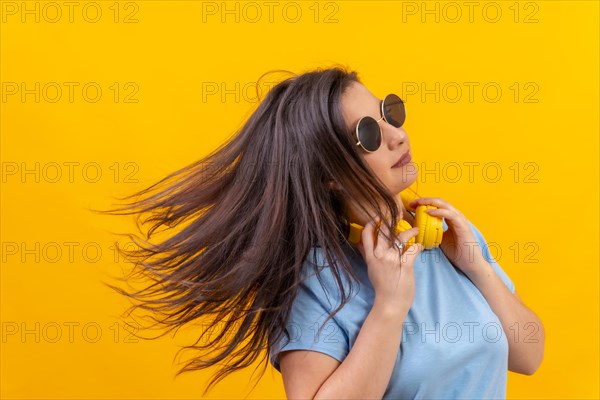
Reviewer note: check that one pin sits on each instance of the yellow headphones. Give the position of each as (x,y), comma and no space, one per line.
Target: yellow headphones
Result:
(430,227)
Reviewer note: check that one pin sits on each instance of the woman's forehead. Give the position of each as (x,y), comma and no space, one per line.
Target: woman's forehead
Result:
(358,102)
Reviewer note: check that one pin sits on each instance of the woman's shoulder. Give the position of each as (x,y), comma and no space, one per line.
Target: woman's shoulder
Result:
(320,277)
(486,251)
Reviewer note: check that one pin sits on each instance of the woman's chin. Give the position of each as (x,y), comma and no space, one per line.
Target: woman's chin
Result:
(409,176)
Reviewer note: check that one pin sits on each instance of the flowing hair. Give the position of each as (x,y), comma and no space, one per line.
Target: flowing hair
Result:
(245,217)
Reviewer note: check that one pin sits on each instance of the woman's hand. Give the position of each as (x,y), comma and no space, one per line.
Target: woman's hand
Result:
(458,242)
(390,272)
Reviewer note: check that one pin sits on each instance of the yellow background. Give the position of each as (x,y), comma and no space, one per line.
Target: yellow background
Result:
(171,56)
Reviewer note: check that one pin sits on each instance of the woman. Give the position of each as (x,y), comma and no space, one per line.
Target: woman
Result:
(264,257)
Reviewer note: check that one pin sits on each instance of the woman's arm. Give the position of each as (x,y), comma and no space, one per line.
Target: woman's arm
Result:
(523,329)
(366,371)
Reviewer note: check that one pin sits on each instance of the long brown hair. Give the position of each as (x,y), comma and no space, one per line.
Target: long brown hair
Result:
(245,218)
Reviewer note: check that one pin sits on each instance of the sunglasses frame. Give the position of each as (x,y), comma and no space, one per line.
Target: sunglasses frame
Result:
(382,109)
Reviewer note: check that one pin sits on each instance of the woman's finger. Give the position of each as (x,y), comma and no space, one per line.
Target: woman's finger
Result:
(453,218)
(384,237)
(434,201)
(367,237)
(441,213)
(408,234)
(431,201)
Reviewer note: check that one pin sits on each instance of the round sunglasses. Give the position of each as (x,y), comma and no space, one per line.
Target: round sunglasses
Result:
(368,131)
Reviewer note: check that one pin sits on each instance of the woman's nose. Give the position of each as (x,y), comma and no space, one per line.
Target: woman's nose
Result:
(394,136)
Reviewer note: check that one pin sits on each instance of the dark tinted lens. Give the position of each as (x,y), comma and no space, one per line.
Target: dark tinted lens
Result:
(393,110)
(369,133)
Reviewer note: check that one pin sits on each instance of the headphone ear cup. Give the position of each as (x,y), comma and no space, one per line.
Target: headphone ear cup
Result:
(430,227)
(354,235)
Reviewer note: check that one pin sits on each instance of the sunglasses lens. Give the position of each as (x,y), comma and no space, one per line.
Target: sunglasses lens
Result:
(393,110)
(369,133)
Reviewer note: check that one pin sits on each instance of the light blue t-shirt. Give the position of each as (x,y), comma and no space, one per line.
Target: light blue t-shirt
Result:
(453,345)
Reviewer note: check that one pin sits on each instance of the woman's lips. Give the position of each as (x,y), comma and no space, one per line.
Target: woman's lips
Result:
(405,159)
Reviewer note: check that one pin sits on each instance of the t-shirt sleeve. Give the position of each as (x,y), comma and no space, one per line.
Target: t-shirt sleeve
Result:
(485,250)
(310,308)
